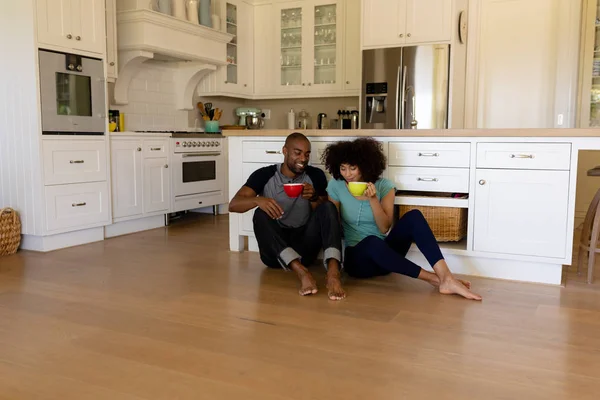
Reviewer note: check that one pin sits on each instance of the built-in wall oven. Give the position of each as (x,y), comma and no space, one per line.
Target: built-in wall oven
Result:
(199,168)
(72,91)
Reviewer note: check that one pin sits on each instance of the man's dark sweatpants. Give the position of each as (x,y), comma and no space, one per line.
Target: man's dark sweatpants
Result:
(279,246)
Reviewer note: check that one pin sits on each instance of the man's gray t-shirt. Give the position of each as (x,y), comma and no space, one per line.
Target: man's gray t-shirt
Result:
(268,182)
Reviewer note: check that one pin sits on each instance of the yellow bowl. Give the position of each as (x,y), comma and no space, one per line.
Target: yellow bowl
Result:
(357,188)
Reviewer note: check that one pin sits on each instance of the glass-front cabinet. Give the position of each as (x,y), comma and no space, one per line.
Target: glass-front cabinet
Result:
(237,76)
(309,52)
(589,107)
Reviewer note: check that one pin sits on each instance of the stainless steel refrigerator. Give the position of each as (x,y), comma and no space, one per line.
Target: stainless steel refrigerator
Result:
(405,87)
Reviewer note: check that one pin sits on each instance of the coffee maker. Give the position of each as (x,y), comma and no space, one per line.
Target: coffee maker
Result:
(243,112)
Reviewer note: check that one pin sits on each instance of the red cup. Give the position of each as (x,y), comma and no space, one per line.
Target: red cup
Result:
(293,189)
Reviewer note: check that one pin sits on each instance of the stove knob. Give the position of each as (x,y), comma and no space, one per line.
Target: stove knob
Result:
(184,144)
(194,144)
(203,144)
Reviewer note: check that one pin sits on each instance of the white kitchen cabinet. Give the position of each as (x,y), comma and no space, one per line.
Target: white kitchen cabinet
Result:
(309,43)
(521,212)
(140,177)
(389,23)
(156,185)
(126,165)
(237,76)
(522,65)
(72,24)
(352,53)
(112,66)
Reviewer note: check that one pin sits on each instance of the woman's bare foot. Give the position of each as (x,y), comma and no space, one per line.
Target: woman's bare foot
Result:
(334,287)
(435,282)
(452,285)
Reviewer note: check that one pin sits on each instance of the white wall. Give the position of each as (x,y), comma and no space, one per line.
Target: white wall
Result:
(20,159)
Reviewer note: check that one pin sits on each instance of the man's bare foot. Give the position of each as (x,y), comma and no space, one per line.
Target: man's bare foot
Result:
(452,285)
(307,282)
(334,287)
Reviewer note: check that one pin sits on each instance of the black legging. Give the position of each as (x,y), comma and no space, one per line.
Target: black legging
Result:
(373,256)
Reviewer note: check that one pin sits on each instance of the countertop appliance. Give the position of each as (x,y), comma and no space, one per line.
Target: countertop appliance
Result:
(405,87)
(322,121)
(72,94)
(242,112)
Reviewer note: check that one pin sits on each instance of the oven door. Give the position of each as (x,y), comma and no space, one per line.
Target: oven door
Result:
(197,173)
(72,93)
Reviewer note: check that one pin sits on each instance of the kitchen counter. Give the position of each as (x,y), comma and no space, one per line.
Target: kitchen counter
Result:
(140,134)
(518,189)
(437,133)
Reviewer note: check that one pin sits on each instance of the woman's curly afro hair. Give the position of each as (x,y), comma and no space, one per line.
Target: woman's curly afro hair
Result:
(364,153)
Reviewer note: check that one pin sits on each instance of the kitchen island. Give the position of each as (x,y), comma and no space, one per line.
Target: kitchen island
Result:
(518,187)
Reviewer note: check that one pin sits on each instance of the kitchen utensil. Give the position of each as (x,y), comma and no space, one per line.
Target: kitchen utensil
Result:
(354,119)
(293,189)
(201,108)
(255,121)
(322,121)
(208,107)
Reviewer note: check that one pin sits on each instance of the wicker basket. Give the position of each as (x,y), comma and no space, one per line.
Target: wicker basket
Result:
(10,231)
(449,224)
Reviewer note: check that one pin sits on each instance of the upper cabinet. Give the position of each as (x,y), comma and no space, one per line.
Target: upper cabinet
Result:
(112,67)
(72,24)
(237,76)
(352,53)
(309,46)
(389,23)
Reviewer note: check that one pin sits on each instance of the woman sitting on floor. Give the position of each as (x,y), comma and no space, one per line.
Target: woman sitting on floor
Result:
(366,219)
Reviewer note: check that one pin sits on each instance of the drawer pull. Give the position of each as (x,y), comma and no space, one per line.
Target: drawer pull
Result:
(482,182)
(272,152)
(427,179)
(155,148)
(429,154)
(76,161)
(78,204)
(521,156)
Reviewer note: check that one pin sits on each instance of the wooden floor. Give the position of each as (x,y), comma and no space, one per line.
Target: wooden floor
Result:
(172,314)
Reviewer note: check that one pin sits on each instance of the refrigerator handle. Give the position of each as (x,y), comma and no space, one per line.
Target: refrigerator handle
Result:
(403,97)
(398,99)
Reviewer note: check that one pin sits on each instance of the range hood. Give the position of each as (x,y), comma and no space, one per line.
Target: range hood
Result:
(192,50)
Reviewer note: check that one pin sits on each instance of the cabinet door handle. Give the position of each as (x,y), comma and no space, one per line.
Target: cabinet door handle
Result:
(76,161)
(166,165)
(78,204)
(482,182)
(347,82)
(408,35)
(112,64)
(429,154)
(272,152)
(521,156)
(155,148)
(77,37)
(139,149)
(427,179)
(69,36)
(401,35)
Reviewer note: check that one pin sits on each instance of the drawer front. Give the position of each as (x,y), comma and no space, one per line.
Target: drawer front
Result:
(73,206)
(556,156)
(416,154)
(74,162)
(267,152)
(316,151)
(156,148)
(455,180)
(198,201)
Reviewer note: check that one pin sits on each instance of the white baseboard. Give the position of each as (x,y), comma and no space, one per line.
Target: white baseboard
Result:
(496,268)
(62,240)
(134,225)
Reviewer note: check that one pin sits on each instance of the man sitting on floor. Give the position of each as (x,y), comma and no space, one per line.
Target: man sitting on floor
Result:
(292,230)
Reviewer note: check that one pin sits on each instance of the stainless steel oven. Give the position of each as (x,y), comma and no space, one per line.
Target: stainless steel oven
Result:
(72,91)
(199,166)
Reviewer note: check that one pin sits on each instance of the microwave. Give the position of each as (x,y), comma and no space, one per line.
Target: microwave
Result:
(72,94)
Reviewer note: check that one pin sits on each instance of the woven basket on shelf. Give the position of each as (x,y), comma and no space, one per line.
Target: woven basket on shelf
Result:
(449,224)
(10,231)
